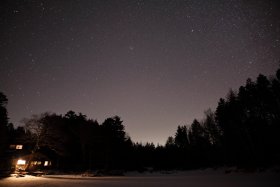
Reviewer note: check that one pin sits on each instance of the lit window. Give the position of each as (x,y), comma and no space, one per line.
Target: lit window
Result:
(46,163)
(21,162)
(19,146)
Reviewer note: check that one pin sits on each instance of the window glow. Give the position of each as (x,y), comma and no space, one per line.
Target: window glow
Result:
(19,146)
(21,162)
(46,163)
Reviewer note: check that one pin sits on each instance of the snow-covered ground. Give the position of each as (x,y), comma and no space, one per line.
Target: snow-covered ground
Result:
(188,179)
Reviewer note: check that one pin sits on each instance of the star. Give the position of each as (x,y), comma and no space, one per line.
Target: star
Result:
(131,48)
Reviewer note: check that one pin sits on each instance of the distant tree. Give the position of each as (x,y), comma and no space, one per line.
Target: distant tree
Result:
(170,142)
(182,146)
(198,135)
(4,133)
(114,141)
(211,128)
(276,95)
(3,120)
(200,143)
(3,110)
(114,128)
(84,138)
(212,136)
(229,118)
(181,137)
(3,116)
(71,115)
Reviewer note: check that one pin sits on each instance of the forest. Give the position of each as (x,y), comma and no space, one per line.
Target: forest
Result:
(243,131)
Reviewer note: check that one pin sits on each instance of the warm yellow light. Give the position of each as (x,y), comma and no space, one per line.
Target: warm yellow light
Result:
(19,146)
(21,162)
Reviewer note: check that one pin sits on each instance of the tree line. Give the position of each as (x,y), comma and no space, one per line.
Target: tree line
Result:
(243,131)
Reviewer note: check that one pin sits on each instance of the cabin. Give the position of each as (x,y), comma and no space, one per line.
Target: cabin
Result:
(24,161)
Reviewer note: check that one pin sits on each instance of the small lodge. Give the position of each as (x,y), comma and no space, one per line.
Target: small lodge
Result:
(24,161)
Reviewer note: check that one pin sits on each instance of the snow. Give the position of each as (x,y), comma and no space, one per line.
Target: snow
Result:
(172,179)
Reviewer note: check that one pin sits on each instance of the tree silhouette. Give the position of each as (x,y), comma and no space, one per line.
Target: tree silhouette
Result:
(3,118)
(170,142)
(83,133)
(243,131)
(181,137)
(211,128)
(3,110)
(198,136)
(4,133)
(114,142)
(249,121)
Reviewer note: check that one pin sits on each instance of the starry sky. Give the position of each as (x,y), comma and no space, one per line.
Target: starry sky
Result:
(157,64)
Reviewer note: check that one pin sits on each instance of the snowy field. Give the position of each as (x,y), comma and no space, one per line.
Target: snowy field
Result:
(188,179)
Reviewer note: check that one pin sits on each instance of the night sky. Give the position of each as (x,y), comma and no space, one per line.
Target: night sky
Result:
(157,64)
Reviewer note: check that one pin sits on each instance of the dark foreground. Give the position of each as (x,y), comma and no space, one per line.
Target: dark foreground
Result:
(189,179)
